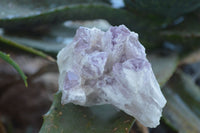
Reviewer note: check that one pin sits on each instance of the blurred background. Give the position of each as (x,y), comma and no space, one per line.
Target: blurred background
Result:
(33,31)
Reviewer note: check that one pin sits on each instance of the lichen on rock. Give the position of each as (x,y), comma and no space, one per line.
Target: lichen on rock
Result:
(110,68)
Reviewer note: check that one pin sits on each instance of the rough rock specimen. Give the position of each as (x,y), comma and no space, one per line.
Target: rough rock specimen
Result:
(110,68)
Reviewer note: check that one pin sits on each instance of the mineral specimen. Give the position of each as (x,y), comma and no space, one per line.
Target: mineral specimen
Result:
(110,68)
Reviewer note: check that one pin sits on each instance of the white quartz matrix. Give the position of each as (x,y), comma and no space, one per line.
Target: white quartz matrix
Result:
(110,68)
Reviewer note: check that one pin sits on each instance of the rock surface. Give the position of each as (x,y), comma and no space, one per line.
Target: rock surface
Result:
(110,68)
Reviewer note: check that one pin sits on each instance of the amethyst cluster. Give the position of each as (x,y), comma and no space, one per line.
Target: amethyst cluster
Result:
(110,68)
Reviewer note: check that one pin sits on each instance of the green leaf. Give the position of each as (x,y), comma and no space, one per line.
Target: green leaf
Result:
(143,25)
(72,118)
(186,33)
(7,58)
(49,42)
(139,24)
(12,43)
(183,106)
(169,8)
(78,12)
(163,66)
(30,14)
(24,8)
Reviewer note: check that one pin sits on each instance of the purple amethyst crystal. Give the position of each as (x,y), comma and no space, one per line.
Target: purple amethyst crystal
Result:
(110,68)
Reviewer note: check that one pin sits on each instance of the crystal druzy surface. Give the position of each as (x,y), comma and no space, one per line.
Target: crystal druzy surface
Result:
(110,68)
